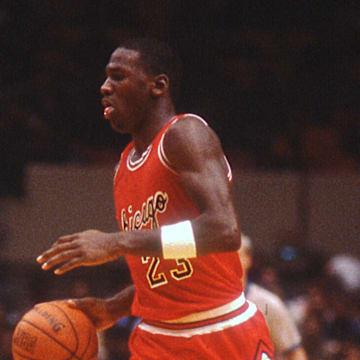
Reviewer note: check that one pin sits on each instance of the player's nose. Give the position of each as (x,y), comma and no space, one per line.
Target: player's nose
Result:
(105,88)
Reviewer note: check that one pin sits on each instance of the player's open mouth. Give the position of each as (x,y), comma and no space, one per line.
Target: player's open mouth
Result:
(108,108)
(107,111)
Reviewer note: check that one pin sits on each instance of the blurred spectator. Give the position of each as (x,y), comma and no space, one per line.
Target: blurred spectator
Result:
(329,312)
(346,268)
(283,332)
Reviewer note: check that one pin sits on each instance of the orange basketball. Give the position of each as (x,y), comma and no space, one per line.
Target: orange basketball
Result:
(54,331)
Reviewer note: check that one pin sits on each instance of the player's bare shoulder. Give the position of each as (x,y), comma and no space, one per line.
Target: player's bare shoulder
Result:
(191,127)
(189,140)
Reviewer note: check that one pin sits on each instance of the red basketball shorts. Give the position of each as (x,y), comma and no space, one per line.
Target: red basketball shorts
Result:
(242,336)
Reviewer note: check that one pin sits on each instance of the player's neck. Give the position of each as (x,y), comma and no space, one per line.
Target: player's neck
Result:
(152,126)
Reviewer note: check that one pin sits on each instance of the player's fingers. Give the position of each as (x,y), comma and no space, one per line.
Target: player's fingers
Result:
(69,265)
(73,303)
(80,303)
(54,250)
(61,257)
(67,238)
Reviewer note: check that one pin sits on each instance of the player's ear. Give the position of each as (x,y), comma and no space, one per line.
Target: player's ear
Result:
(161,85)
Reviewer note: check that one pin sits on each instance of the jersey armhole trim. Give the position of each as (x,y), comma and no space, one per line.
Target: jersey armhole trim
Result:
(162,156)
(161,152)
(165,161)
(229,173)
(116,168)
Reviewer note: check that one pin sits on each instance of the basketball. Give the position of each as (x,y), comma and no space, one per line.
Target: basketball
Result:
(54,331)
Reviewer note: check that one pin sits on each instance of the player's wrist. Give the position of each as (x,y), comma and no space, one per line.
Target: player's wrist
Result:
(178,241)
(119,305)
(115,246)
(115,310)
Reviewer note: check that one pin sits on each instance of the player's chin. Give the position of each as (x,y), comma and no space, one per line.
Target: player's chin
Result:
(118,127)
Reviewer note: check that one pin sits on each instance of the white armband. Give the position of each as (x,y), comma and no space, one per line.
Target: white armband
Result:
(178,241)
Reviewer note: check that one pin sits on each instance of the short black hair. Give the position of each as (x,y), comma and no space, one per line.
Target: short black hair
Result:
(159,58)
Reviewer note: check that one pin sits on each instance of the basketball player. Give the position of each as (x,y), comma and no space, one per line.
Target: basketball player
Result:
(179,229)
(283,331)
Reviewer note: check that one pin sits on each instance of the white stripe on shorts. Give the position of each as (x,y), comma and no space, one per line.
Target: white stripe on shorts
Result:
(212,313)
(207,329)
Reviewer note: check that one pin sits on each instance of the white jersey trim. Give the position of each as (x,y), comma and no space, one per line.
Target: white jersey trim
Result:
(229,174)
(161,153)
(116,169)
(133,165)
(162,157)
(165,161)
(207,329)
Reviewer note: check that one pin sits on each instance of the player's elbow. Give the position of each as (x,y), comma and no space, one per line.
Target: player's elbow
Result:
(232,238)
(218,235)
(229,237)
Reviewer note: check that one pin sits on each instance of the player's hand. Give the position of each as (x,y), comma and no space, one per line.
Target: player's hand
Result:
(97,310)
(87,248)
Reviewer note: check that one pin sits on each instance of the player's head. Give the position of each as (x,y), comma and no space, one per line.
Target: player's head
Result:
(141,77)
(157,58)
(246,252)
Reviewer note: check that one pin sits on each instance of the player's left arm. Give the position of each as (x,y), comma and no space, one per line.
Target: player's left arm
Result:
(194,152)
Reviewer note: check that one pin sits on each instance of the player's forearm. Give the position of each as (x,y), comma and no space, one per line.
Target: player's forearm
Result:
(138,243)
(216,233)
(209,235)
(119,305)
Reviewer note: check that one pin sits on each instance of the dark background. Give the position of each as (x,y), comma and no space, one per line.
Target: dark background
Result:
(277,80)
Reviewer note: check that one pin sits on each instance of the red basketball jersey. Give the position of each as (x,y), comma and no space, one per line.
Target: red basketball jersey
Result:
(149,194)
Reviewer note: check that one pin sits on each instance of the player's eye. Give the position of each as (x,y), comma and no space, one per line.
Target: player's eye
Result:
(117,76)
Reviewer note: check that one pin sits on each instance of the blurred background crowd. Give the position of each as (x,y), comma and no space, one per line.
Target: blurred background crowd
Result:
(277,80)
(321,292)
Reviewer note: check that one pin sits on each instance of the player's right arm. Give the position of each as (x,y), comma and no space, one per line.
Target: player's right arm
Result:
(104,313)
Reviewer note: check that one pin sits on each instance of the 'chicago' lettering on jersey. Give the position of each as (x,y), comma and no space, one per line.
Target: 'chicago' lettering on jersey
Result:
(131,220)
(150,208)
